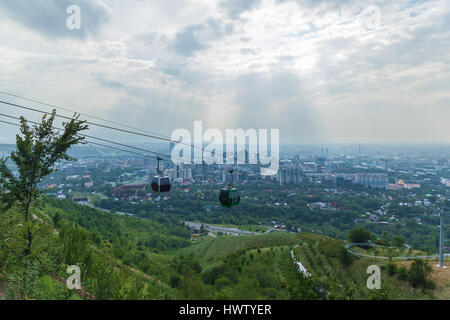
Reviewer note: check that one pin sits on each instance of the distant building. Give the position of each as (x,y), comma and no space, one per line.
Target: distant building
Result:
(289,175)
(319,205)
(309,166)
(446,182)
(402,185)
(374,180)
(73,170)
(179,173)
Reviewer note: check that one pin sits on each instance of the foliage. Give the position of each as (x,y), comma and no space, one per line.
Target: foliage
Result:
(38,148)
(359,235)
(418,274)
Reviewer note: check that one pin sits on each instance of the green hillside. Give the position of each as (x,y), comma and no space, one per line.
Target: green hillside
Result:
(213,250)
(124,257)
(324,259)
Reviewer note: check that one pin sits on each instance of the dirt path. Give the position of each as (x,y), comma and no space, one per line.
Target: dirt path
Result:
(81,293)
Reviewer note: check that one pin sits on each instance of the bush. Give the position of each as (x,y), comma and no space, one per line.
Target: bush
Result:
(382,242)
(398,242)
(358,235)
(402,273)
(418,274)
(391,269)
(335,249)
(175,281)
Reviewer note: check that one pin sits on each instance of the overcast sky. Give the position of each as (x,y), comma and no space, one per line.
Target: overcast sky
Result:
(320,71)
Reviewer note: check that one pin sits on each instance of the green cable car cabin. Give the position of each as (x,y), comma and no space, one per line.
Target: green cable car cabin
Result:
(229,195)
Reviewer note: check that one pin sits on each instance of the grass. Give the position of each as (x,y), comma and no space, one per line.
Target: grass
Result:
(214,250)
(325,269)
(50,289)
(245,227)
(384,252)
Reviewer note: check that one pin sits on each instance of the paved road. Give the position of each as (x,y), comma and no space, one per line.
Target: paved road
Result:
(349,245)
(211,228)
(86,203)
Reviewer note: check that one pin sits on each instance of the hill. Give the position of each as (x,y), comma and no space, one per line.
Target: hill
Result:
(123,257)
(331,269)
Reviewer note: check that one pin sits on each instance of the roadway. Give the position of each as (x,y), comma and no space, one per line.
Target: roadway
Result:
(349,245)
(212,228)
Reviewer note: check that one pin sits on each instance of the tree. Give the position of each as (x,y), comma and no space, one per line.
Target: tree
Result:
(358,235)
(418,274)
(38,148)
(398,242)
(391,268)
(382,242)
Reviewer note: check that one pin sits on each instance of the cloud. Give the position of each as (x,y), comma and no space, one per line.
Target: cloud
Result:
(196,37)
(310,68)
(276,101)
(157,110)
(105,83)
(234,8)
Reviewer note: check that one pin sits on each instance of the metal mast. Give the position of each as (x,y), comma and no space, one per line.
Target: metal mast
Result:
(441,238)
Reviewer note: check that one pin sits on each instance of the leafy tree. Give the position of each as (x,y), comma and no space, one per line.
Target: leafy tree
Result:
(175,281)
(38,148)
(381,294)
(359,235)
(382,242)
(402,273)
(398,242)
(418,274)
(391,268)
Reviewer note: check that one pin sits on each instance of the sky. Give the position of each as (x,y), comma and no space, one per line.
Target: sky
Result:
(319,71)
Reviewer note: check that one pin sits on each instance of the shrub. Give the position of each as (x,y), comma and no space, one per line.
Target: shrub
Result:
(358,235)
(402,273)
(418,274)
(391,269)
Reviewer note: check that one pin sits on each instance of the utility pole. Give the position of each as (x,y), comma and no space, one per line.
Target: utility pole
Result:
(441,239)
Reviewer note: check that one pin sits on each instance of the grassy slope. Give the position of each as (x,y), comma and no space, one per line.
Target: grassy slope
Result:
(49,287)
(215,250)
(274,255)
(273,259)
(354,276)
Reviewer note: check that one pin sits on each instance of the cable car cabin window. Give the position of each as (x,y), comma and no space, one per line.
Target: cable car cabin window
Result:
(161,184)
(164,184)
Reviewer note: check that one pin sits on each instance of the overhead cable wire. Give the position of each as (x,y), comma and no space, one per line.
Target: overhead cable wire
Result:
(95,143)
(97,138)
(148,133)
(88,122)
(80,113)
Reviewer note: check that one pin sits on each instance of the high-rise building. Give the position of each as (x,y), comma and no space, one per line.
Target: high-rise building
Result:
(374,180)
(289,175)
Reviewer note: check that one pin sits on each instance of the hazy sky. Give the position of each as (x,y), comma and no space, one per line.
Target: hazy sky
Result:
(320,71)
